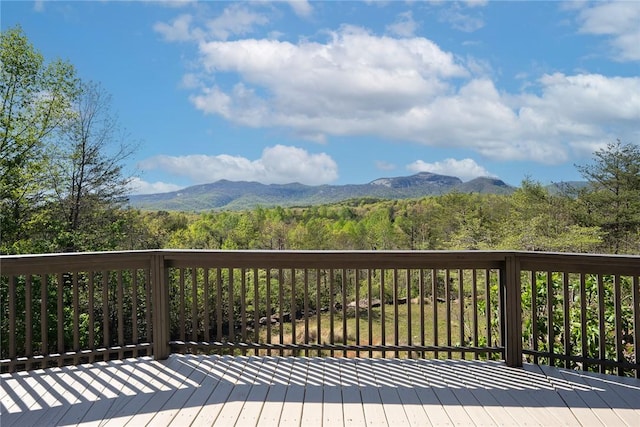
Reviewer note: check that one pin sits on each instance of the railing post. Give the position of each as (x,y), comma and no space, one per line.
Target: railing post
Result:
(160,314)
(512,303)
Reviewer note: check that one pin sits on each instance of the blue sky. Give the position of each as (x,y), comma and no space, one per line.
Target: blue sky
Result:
(348,92)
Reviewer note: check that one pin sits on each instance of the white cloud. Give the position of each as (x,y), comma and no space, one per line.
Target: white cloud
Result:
(404,25)
(592,97)
(139,186)
(38,6)
(311,87)
(278,165)
(409,89)
(190,81)
(620,20)
(178,30)
(580,111)
(301,7)
(476,3)
(461,19)
(173,3)
(465,169)
(236,19)
(358,84)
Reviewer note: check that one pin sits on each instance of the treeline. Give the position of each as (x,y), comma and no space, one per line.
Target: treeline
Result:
(533,219)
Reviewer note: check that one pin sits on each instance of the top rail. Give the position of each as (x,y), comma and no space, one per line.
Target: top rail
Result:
(573,262)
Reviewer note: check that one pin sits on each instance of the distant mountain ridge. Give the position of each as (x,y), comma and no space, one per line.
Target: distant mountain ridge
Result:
(237,195)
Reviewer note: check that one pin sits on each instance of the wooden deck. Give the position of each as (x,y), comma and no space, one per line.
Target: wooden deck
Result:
(221,390)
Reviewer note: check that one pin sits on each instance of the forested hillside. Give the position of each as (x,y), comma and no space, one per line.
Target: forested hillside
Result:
(248,195)
(530,219)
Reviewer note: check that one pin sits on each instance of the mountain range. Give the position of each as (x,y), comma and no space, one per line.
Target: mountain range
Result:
(238,195)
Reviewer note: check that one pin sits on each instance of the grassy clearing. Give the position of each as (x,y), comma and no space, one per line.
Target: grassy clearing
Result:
(383,328)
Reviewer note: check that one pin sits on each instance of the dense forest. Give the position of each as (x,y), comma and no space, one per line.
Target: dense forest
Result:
(63,187)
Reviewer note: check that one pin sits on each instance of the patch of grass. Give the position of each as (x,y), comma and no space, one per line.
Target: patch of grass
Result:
(384,325)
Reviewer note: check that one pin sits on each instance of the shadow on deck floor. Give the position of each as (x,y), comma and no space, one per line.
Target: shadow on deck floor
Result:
(225,390)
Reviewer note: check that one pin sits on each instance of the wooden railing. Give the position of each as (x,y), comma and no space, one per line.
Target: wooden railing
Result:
(74,308)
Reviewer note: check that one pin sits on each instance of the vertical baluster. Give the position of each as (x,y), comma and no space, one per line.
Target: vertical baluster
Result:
(194,304)
(551,339)
(218,304)
(44,319)
(396,326)
(434,297)
(268,309)
(474,310)
(409,332)
(243,308)
(534,314)
(566,323)
(369,308)
(447,297)
(76,317)
(120,309)
(487,308)
(13,280)
(91,344)
(357,308)
(148,306)
(181,297)
(106,338)
(61,346)
(602,338)
(461,310)
(28,321)
(383,303)
(345,332)
(230,318)
(256,310)
(281,309)
(318,310)
(206,323)
(636,322)
(331,312)
(583,320)
(293,309)
(306,309)
(618,323)
(134,310)
(421,292)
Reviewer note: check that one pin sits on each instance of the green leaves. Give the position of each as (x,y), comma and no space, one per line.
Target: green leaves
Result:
(612,200)
(36,99)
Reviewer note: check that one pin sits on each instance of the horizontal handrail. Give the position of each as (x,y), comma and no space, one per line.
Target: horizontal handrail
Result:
(60,262)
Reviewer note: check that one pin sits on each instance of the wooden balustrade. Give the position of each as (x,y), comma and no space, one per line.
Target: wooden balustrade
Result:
(62,309)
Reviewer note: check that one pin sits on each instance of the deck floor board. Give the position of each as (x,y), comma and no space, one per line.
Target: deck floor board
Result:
(190,390)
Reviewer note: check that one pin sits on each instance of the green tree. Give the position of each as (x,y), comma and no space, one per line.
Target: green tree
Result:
(540,221)
(86,173)
(35,102)
(611,201)
(380,231)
